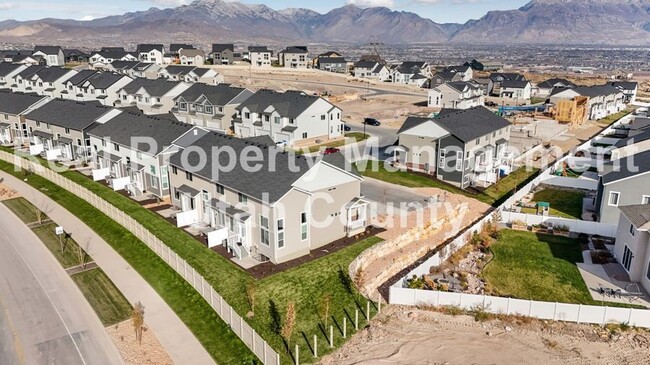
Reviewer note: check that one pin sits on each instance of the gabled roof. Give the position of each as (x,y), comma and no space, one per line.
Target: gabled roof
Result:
(48,50)
(460,86)
(267,183)
(16,103)
(470,124)
(412,122)
(595,91)
(80,77)
(51,74)
(365,64)
(506,76)
(112,49)
(71,114)
(514,84)
(126,125)
(627,167)
(258,49)
(552,83)
(325,60)
(624,85)
(188,52)
(448,75)
(179,70)
(633,138)
(296,49)
(220,95)
(219,47)
(200,71)
(30,71)
(155,87)
(288,104)
(6,68)
(638,215)
(410,67)
(457,69)
(74,52)
(175,47)
(146,48)
(103,80)
(123,65)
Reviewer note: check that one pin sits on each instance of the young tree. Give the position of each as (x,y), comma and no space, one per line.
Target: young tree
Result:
(251,291)
(289,323)
(325,303)
(137,315)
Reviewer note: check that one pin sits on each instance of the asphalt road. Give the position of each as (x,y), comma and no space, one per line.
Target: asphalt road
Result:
(44,318)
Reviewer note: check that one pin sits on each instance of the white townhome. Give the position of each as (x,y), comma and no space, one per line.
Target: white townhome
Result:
(151,53)
(72,86)
(632,248)
(260,56)
(291,118)
(13,107)
(294,57)
(456,95)
(150,96)
(103,86)
(53,55)
(50,81)
(7,72)
(19,81)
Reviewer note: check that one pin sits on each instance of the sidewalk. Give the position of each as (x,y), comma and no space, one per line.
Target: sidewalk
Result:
(176,338)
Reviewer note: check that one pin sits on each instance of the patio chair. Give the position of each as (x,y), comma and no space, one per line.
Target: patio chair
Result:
(633,292)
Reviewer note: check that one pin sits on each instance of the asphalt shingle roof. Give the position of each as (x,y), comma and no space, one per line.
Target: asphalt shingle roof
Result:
(30,71)
(217,47)
(71,114)
(80,77)
(6,68)
(175,47)
(155,87)
(124,65)
(551,83)
(122,128)
(514,84)
(51,74)
(624,85)
(146,48)
(219,95)
(598,90)
(103,80)
(639,215)
(627,167)
(47,49)
(179,70)
(288,104)
(16,103)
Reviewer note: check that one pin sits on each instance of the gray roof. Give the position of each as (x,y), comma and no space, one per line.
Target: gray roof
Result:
(155,87)
(288,104)
(6,68)
(48,49)
(410,67)
(461,85)
(258,49)
(42,134)
(179,70)
(175,47)
(456,69)
(122,128)
(296,49)
(262,140)
(216,47)
(551,83)
(16,103)
(627,167)
(639,215)
(365,64)
(634,137)
(220,95)
(448,75)
(51,74)
(329,60)
(514,84)
(114,54)
(594,91)
(146,48)
(71,114)
(103,80)
(200,71)
(467,125)
(266,183)
(80,77)
(496,76)
(188,190)
(30,71)
(624,85)
(124,65)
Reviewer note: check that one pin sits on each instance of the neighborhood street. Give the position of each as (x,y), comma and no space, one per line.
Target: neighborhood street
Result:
(44,318)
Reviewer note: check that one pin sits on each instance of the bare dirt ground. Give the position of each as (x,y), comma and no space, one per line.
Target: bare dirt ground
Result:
(402,335)
(150,352)
(6,192)
(391,110)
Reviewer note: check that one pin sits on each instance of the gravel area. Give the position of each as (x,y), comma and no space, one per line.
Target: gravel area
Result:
(150,352)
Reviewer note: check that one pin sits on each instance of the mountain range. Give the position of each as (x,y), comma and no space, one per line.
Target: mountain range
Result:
(584,22)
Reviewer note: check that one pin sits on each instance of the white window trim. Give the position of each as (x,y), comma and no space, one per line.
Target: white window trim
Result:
(618,199)
(643,199)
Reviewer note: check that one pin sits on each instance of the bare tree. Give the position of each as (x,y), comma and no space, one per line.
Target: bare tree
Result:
(137,315)
(289,323)
(82,253)
(251,291)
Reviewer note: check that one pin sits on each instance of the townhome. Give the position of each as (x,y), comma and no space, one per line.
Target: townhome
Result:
(9,55)
(604,100)
(75,56)
(465,72)
(13,107)
(144,70)
(329,54)
(445,76)
(518,90)
(544,88)
(103,86)
(628,88)
(294,57)
(210,106)
(411,73)
(456,95)
(108,55)
(260,56)
(49,81)
(121,67)
(292,118)
(632,247)
(53,55)
(485,65)
(297,209)
(636,141)
(72,86)
(332,64)
(19,82)
(151,96)
(192,57)
(151,53)
(176,48)
(203,75)
(58,129)
(28,60)
(625,181)
(131,151)
(364,69)
(222,54)
(497,79)
(7,72)
(461,147)
(175,72)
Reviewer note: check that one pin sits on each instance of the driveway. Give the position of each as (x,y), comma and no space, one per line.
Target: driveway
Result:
(384,194)
(44,318)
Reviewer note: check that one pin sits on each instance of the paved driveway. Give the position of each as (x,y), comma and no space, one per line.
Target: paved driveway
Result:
(44,318)
(385,194)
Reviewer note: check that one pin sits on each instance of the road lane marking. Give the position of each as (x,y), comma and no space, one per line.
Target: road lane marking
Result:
(49,298)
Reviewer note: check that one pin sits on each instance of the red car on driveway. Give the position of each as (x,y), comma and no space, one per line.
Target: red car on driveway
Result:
(331,150)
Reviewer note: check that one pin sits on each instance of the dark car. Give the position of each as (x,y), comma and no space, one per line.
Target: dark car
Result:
(371,121)
(331,150)
(491,104)
(346,128)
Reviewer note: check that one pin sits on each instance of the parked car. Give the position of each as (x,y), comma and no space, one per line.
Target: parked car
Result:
(346,128)
(331,150)
(491,104)
(371,121)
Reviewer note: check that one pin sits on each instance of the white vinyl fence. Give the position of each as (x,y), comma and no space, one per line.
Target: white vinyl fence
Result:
(542,310)
(243,330)
(577,226)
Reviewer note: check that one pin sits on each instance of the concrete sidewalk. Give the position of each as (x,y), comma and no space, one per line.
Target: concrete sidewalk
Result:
(176,338)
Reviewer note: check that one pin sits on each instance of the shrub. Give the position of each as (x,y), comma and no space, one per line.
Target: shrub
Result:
(452,310)
(415,283)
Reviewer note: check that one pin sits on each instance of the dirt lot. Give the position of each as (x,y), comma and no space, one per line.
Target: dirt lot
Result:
(403,335)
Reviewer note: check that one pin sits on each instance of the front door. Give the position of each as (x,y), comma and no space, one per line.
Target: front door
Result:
(627,258)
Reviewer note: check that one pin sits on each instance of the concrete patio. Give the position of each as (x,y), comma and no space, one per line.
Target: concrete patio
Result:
(597,276)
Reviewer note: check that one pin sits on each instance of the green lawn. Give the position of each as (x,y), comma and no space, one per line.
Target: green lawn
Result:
(493,195)
(23,209)
(615,117)
(538,267)
(273,293)
(564,204)
(107,301)
(537,100)
(69,257)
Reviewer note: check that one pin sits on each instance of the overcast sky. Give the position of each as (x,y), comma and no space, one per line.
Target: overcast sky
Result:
(442,11)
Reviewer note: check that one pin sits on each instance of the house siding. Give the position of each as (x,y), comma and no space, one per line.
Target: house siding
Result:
(631,192)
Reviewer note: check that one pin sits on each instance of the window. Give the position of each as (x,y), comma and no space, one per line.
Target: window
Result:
(267,118)
(138,154)
(103,143)
(478,141)
(188,175)
(164,177)
(304,135)
(47,126)
(264,230)
(647,274)
(443,155)
(614,198)
(177,194)
(276,120)
(646,199)
(174,170)
(247,115)
(292,121)
(116,147)
(304,231)
(627,258)
(67,131)
(280,233)
(38,124)
(154,181)
(6,116)
(242,198)
(182,106)
(208,109)
(220,189)
(632,230)
(459,161)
